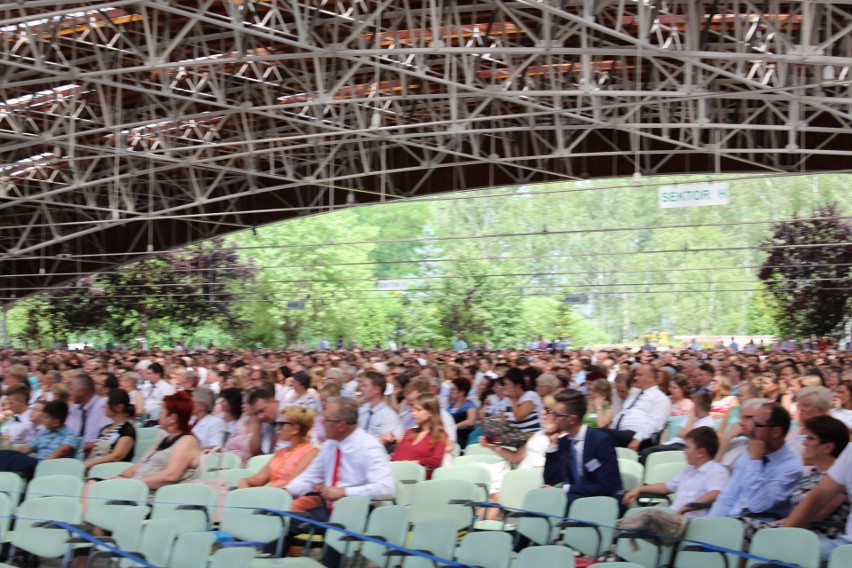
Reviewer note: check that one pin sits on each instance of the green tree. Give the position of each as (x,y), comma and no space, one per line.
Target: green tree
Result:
(808,272)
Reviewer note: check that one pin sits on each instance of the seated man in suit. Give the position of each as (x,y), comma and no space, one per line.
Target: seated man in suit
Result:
(580,459)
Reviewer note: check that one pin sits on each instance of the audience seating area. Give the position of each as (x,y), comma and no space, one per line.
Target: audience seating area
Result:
(440,517)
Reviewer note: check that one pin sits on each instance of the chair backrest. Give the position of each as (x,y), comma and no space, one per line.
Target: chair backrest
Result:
(476,474)
(233,476)
(548,500)
(592,541)
(212,464)
(468,459)
(631,474)
(5,516)
(351,513)
(192,550)
(517,483)
(241,521)
(438,536)
(656,458)
(841,557)
(663,472)
(720,531)
(431,500)
(626,454)
(476,449)
(55,486)
(168,498)
(155,542)
(150,433)
(256,463)
(790,545)
(12,485)
(107,470)
(101,512)
(60,466)
(645,553)
(391,524)
(45,542)
(142,446)
(127,529)
(408,472)
(488,549)
(232,556)
(539,556)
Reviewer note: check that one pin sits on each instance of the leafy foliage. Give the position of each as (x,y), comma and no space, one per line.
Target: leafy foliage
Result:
(808,272)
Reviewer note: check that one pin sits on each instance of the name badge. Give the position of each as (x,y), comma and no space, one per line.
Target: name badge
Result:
(593,465)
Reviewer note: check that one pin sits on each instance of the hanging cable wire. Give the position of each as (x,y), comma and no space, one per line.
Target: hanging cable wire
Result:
(538,274)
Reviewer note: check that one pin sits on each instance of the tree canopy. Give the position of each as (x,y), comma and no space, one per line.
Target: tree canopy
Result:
(492,265)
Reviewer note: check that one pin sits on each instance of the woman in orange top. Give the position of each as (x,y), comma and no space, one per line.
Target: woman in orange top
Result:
(294,425)
(427,442)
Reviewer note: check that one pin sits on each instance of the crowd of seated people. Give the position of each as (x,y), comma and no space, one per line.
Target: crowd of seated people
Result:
(762,429)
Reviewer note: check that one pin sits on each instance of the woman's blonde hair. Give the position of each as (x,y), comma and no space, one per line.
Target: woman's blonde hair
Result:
(725,386)
(301,417)
(430,404)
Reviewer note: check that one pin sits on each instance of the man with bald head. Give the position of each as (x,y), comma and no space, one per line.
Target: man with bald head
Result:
(644,414)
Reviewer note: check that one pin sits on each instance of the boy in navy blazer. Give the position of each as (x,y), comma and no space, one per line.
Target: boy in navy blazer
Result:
(580,459)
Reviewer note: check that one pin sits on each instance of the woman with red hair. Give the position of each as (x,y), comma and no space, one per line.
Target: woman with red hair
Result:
(175,456)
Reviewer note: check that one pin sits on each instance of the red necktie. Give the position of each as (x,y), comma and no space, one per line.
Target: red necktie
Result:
(335,475)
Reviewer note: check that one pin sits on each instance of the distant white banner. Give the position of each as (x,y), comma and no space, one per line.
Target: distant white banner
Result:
(694,195)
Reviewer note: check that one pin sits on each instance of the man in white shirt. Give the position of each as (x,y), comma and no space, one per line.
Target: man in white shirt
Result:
(644,414)
(375,416)
(157,387)
(699,416)
(86,417)
(351,462)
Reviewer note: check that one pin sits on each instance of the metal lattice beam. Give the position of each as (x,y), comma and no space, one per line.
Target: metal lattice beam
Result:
(141,125)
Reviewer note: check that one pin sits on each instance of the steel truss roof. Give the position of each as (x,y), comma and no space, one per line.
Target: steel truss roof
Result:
(129,126)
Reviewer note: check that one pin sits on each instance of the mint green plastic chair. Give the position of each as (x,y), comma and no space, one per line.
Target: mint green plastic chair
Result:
(192,550)
(719,531)
(657,458)
(841,557)
(213,464)
(107,500)
(235,557)
(548,556)
(242,521)
(45,542)
(350,513)
(55,486)
(659,473)
(476,449)
(436,536)
(541,530)
(475,458)
(485,550)
(433,500)
(256,463)
(632,474)
(107,470)
(12,485)
(189,505)
(590,539)
(626,454)
(476,474)
(675,422)
(406,474)
(127,531)
(155,542)
(789,545)
(389,524)
(233,476)
(60,466)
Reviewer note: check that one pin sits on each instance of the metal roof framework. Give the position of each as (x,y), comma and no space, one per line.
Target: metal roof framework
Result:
(132,125)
